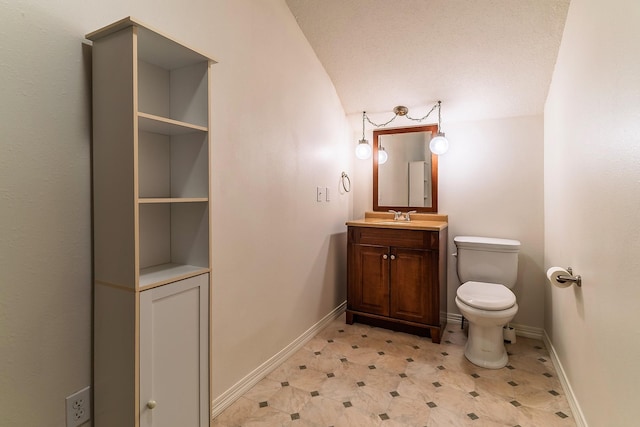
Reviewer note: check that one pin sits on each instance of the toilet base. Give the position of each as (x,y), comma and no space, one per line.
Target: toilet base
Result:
(485,341)
(485,347)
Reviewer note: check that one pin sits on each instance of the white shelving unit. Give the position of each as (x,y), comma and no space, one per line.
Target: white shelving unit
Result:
(419,184)
(151,174)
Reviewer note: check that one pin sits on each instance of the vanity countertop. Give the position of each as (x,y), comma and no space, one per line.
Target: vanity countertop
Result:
(419,221)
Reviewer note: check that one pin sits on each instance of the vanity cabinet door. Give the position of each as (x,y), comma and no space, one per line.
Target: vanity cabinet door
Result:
(368,279)
(411,286)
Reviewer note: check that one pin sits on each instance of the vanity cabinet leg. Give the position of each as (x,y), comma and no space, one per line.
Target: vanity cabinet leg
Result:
(349,318)
(435,335)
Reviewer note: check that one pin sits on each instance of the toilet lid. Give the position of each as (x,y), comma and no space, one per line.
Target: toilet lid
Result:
(486,296)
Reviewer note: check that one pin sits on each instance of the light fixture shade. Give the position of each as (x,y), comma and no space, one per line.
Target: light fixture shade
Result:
(439,144)
(363,149)
(382,156)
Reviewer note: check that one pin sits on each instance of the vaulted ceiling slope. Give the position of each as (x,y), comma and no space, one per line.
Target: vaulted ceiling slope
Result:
(482,58)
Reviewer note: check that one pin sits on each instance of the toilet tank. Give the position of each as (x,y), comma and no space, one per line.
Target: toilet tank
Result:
(487,259)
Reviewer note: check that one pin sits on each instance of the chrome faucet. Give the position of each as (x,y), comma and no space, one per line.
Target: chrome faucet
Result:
(397,215)
(407,216)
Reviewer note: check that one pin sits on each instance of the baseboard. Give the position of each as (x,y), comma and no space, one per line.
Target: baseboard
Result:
(453,318)
(225,400)
(571,397)
(528,331)
(521,330)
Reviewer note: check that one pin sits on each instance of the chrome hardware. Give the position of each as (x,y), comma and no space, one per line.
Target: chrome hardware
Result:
(385,256)
(397,215)
(393,257)
(346,182)
(151,404)
(574,279)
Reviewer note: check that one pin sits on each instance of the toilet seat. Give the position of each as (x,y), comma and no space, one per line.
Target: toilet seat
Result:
(486,296)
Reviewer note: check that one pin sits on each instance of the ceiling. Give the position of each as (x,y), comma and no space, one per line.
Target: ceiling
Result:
(482,58)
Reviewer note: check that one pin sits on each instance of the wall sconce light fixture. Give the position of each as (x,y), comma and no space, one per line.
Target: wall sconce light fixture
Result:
(438,145)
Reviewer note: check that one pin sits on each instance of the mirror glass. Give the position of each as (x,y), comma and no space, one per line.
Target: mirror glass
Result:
(408,180)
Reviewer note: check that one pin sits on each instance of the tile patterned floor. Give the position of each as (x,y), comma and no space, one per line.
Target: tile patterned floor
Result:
(357,375)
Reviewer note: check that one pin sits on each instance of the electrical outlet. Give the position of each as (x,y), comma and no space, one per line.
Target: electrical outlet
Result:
(79,407)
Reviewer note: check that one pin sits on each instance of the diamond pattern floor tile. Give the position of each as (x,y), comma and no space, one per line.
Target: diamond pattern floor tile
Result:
(356,375)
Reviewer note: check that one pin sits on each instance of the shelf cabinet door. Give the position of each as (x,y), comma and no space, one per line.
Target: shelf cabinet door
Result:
(411,295)
(174,348)
(369,279)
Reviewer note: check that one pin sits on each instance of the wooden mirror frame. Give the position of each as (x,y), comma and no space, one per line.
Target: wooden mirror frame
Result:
(434,170)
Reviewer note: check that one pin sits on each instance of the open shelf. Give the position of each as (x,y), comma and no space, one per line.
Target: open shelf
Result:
(167,273)
(173,167)
(173,200)
(176,94)
(174,233)
(164,126)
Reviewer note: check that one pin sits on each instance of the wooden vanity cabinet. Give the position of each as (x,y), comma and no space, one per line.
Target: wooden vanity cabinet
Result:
(396,278)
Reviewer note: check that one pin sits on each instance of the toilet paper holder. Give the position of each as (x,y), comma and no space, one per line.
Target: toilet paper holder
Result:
(574,279)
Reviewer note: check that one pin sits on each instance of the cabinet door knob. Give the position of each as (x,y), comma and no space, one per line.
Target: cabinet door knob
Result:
(385,256)
(151,404)
(393,257)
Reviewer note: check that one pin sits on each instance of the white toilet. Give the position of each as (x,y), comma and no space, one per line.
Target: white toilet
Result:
(487,268)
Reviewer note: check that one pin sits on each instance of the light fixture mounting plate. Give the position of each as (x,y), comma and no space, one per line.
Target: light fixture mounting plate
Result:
(401,110)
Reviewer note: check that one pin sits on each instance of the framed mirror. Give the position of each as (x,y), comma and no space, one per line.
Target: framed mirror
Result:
(408,180)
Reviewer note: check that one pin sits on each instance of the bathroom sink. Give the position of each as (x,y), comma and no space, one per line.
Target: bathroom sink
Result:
(409,225)
(424,222)
(393,222)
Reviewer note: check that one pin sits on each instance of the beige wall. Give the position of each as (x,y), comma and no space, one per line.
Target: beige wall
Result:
(491,185)
(592,207)
(45,216)
(279,256)
(278,132)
